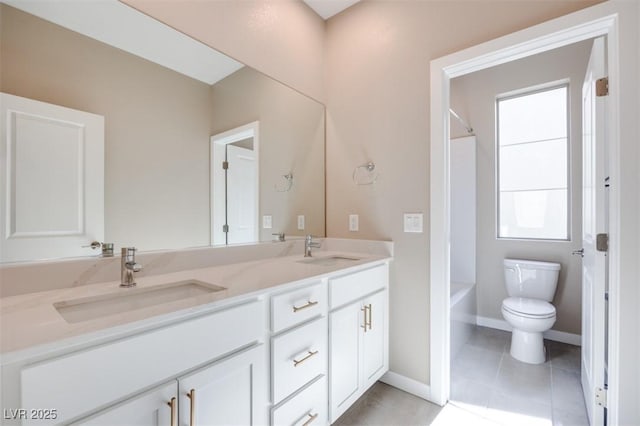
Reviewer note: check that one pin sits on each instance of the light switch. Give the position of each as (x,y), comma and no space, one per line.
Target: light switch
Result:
(413,222)
(353,222)
(267,221)
(301,222)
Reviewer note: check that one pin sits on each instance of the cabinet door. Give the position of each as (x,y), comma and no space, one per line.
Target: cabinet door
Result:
(232,391)
(374,354)
(345,330)
(152,408)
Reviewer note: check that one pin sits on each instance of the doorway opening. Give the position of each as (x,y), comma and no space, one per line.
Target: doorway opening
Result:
(564,31)
(235,185)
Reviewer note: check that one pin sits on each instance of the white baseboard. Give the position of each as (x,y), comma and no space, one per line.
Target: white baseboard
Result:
(556,336)
(408,385)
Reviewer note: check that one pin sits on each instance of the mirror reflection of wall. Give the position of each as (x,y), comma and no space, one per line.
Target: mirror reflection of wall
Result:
(158,125)
(291,142)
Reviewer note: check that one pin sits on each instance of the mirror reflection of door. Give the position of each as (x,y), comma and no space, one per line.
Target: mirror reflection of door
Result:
(52,180)
(234,186)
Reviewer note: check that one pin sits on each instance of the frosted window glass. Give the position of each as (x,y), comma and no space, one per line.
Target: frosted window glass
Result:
(533,165)
(540,165)
(535,117)
(534,214)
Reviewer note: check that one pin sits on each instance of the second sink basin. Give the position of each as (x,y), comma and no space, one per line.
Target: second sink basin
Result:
(125,300)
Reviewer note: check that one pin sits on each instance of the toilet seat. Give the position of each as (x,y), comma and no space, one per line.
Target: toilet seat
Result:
(529,308)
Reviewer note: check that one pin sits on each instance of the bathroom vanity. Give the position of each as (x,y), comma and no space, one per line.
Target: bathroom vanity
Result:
(278,340)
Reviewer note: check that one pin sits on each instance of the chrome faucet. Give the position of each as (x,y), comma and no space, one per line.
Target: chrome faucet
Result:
(128,267)
(308,244)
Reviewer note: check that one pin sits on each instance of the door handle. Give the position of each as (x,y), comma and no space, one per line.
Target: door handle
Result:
(578,252)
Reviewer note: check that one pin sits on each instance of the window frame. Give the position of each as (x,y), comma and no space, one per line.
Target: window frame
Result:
(532,90)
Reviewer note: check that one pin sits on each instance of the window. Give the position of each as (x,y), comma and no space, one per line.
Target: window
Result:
(532,151)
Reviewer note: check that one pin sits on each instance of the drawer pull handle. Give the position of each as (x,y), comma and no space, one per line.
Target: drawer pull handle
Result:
(192,407)
(172,404)
(310,354)
(305,306)
(366,310)
(370,315)
(312,417)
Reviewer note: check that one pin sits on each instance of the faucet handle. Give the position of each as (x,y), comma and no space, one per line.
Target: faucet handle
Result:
(128,251)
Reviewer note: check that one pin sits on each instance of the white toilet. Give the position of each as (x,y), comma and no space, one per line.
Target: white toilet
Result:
(531,285)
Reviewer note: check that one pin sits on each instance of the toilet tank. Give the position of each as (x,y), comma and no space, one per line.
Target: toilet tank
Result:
(530,278)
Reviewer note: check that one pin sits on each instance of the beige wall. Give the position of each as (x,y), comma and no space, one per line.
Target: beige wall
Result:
(291,140)
(377,71)
(157,125)
(284,38)
(474,96)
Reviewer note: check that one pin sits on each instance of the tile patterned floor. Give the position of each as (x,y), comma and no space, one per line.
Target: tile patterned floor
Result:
(488,388)
(486,380)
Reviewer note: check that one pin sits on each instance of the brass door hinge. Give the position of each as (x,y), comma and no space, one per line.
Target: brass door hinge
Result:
(225,165)
(602,86)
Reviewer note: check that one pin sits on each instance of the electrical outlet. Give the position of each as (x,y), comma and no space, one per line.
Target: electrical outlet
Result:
(300,222)
(267,221)
(413,222)
(353,222)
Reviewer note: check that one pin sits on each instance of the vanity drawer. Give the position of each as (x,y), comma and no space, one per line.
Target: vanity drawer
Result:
(354,286)
(80,382)
(297,306)
(297,357)
(307,408)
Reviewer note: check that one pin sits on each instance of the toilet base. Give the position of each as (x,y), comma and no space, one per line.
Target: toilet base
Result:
(527,346)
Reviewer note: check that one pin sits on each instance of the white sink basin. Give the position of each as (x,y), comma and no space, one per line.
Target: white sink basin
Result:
(328,260)
(130,299)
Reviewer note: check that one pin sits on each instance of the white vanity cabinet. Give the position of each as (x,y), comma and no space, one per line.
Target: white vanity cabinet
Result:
(81,383)
(299,356)
(157,407)
(358,335)
(227,392)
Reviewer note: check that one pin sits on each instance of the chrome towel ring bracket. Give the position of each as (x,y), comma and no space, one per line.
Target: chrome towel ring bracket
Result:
(365,174)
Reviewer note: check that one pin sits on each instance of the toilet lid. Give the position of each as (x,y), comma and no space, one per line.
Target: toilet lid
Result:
(529,307)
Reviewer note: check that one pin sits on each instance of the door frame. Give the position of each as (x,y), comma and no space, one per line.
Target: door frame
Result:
(217,155)
(602,19)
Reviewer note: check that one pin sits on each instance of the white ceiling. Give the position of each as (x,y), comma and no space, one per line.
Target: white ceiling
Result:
(328,8)
(123,27)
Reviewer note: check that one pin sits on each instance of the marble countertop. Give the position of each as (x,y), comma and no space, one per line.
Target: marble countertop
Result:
(31,320)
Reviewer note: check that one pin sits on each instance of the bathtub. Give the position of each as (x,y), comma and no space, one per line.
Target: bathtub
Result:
(463,315)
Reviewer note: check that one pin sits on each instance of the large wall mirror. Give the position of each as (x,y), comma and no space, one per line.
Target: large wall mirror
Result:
(198,149)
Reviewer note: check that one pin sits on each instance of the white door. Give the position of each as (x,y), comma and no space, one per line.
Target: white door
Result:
(373,353)
(153,408)
(345,329)
(594,262)
(241,195)
(245,211)
(229,392)
(52,180)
